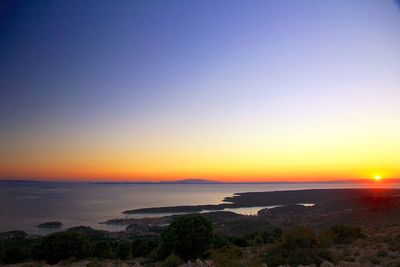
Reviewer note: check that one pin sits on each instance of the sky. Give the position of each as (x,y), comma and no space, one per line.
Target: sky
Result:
(283,90)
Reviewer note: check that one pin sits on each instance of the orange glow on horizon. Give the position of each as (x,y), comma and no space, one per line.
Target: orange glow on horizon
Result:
(228,157)
(119,176)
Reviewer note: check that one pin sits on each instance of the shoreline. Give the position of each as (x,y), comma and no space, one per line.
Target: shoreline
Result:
(321,207)
(326,201)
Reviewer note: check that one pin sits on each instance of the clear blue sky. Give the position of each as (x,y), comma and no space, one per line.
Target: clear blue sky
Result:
(147,89)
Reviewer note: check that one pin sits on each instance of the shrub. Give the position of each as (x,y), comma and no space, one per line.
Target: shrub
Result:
(240,242)
(172,261)
(271,237)
(394,243)
(382,253)
(123,250)
(345,234)
(92,263)
(14,246)
(15,254)
(220,241)
(301,256)
(90,233)
(228,256)
(2,252)
(256,240)
(102,249)
(299,237)
(61,246)
(297,247)
(267,237)
(253,261)
(375,261)
(142,247)
(189,236)
(327,239)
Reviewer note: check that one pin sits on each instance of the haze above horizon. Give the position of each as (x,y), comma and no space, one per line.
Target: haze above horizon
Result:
(226,90)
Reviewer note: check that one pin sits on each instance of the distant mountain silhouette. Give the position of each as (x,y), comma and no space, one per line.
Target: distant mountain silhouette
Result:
(192,181)
(184,181)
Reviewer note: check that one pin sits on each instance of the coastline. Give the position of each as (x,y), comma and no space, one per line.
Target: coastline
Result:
(314,208)
(373,212)
(274,198)
(111,201)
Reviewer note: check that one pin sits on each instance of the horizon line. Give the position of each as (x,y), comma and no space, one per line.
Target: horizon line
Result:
(191,181)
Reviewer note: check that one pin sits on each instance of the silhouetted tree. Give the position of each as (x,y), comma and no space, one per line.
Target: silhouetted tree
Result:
(15,254)
(102,249)
(123,250)
(189,237)
(61,246)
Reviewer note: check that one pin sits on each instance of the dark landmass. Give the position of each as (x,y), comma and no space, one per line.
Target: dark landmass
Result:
(55,224)
(19,181)
(179,209)
(328,197)
(192,181)
(363,207)
(185,181)
(344,227)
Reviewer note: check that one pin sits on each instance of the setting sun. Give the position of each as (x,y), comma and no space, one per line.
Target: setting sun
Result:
(377,177)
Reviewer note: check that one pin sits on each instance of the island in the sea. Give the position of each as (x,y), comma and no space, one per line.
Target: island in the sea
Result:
(53,224)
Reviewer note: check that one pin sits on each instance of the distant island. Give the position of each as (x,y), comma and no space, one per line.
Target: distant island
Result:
(55,224)
(192,181)
(184,181)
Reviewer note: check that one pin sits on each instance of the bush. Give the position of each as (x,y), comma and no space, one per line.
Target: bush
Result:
(102,249)
(375,261)
(123,250)
(345,234)
(14,246)
(228,256)
(297,247)
(394,243)
(299,237)
(382,253)
(189,236)
(271,237)
(264,237)
(253,261)
(240,242)
(62,246)
(220,241)
(15,254)
(327,239)
(142,247)
(2,252)
(172,261)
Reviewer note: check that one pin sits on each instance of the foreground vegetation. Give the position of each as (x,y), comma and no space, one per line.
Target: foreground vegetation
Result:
(191,237)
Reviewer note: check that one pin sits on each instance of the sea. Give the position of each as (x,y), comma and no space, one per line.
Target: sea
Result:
(25,204)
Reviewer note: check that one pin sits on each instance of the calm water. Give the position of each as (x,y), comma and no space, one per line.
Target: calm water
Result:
(24,205)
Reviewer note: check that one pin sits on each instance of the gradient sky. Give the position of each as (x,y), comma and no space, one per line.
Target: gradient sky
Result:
(228,90)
